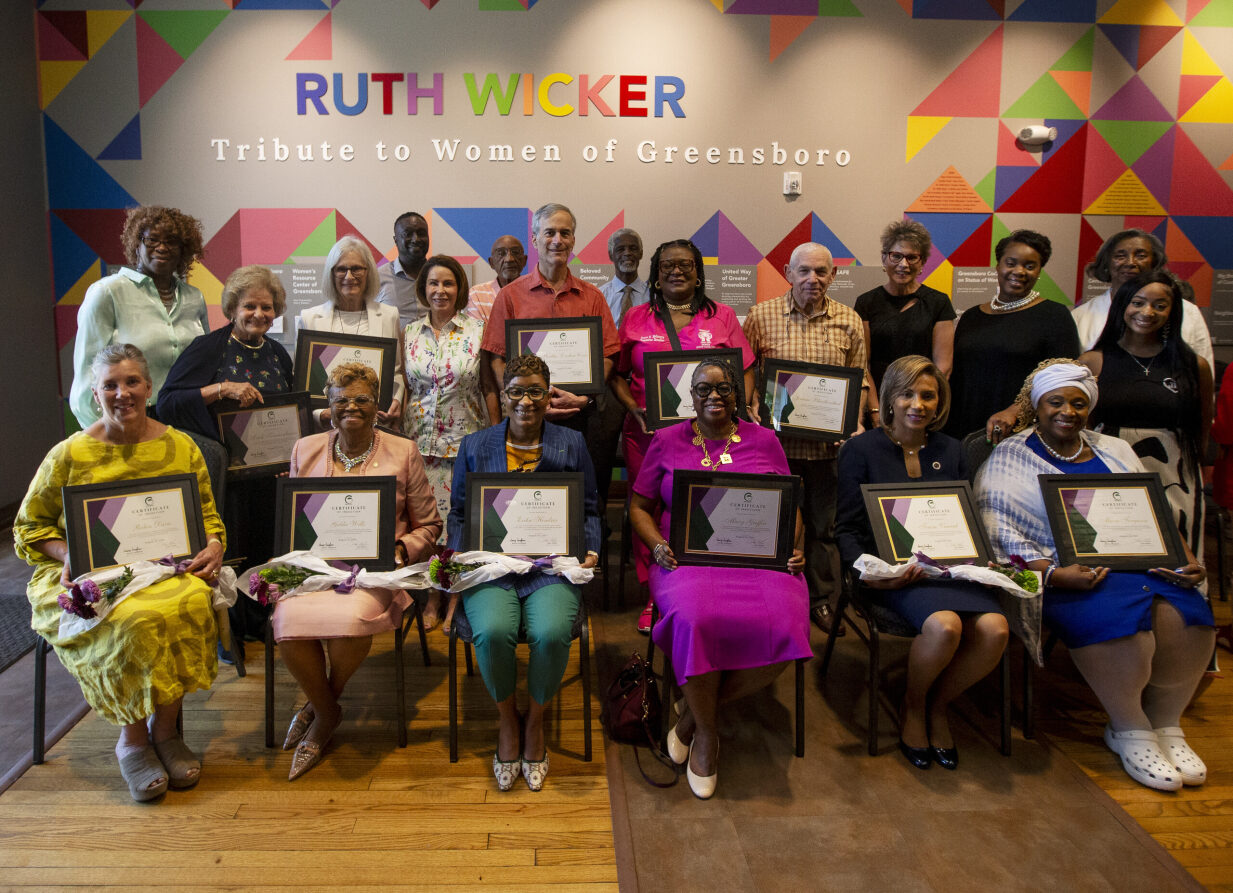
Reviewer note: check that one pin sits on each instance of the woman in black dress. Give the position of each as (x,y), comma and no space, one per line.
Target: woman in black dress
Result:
(1155,392)
(904,317)
(963,631)
(999,342)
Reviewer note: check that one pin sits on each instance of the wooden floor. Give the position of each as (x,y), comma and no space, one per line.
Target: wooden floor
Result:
(1194,824)
(371,815)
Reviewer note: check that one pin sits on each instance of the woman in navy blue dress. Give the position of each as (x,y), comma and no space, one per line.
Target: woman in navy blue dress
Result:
(963,631)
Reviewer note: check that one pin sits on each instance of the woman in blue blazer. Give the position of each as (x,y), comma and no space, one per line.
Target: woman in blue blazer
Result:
(543,605)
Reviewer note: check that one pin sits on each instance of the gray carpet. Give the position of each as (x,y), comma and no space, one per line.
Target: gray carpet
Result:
(16,637)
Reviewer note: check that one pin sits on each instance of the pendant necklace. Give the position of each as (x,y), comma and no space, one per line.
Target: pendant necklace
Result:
(350,464)
(1170,384)
(723,458)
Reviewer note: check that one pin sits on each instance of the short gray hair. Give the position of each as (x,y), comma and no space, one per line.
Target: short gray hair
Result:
(545,211)
(623,231)
(244,280)
(341,247)
(113,354)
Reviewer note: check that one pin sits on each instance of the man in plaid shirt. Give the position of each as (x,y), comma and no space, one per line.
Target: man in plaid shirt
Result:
(807,326)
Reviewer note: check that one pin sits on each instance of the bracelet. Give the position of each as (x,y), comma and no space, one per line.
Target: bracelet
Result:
(875,411)
(220,391)
(592,552)
(655,553)
(1048,572)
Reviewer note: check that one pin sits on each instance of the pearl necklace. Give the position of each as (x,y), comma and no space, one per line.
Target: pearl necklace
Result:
(348,463)
(1055,454)
(1000,306)
(906,450)
(723,458)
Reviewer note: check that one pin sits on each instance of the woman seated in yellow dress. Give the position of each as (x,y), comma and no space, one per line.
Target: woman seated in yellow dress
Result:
(158,644)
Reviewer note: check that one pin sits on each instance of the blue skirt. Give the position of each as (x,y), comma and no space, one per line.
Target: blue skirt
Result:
(916,602)
(1120,606)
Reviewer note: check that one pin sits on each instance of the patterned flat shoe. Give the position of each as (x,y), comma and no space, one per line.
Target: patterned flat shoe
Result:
(506,773)
(535,771)
(299,726)
(307,754)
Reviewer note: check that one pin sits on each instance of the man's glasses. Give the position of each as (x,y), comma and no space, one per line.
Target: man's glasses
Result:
(516,393)
(704,390)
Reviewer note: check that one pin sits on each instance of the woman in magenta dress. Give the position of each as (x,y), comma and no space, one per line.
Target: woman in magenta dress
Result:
(678,295)
(729,631)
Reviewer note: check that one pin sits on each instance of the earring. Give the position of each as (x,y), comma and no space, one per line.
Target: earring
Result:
(890,412)
(1166,332)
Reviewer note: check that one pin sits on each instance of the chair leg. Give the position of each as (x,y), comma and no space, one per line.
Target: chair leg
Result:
(875,680)
(800,707)
(626,551)
(269,682)
(400,687)
(1029,707)
(650,640)
(466,652)
(41,647)
(840,607)
(419,622)
(584,664)
(666,688)
(454,695)
(1004,677)
(1222,517)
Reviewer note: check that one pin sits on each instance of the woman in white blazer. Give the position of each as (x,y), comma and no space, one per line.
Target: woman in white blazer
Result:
(349,282)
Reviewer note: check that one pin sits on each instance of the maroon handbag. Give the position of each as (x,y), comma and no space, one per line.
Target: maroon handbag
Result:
(632,710)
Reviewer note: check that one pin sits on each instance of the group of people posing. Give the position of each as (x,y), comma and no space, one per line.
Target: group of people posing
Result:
(149,376)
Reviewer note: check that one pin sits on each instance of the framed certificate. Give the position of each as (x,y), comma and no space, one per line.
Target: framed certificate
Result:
(259,438)
(812,400)
(532,515)
(668,374)
(141,519)
(348,519)
(572,346)
(317,353)
(733,520)
(1119,521)
(937,518)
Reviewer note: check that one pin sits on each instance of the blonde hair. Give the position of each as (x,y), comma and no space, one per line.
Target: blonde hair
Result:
(247,278)
(346,374)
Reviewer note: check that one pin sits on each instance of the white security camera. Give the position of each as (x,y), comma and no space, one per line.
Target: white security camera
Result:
(1037,135)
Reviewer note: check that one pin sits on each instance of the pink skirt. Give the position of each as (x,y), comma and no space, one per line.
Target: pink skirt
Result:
(335,615)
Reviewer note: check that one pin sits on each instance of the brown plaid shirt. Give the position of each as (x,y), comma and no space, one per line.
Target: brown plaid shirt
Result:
(777,329)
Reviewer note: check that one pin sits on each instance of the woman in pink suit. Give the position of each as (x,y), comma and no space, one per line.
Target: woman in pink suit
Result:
(678,298)
(339,626)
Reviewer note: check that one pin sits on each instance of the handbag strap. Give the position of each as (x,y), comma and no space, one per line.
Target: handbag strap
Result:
(665,316)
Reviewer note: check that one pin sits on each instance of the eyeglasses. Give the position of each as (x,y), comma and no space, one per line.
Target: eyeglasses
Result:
(667,266)
(361,401)
(896,258)
(171,243)
(509,252)
(1138,255)
(516,393)
(355,272)
(704,390)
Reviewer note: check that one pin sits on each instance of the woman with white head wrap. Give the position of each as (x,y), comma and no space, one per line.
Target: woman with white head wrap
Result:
(1141,640)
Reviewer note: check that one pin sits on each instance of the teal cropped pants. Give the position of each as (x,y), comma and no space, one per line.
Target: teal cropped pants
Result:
(497,616)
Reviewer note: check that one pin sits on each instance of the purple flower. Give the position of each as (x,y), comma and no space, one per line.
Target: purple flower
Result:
(1017,562)
(89,591)
(65,601)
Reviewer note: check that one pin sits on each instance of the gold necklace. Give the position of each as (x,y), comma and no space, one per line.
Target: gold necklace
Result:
(723,458)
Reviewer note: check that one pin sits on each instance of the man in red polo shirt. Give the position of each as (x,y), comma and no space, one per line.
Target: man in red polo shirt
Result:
(550,290)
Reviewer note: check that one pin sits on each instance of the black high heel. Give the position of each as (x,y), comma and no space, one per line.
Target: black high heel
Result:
(947,757)
(920,757)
